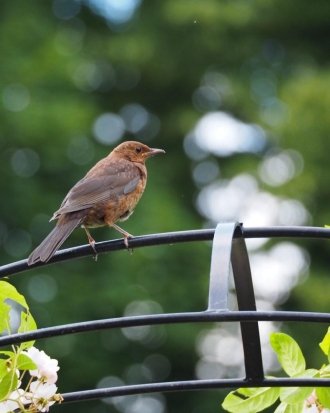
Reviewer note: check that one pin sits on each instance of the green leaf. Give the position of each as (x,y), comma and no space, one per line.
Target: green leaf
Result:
(3,368)
(7,291)
(289,408)
(250,400)
(24,362)
(248,391)
(8,384)
(7,353)
(292,395)
(4,316)
(323,394)
(325,343)
(27,324)
(325,371)
(289,353)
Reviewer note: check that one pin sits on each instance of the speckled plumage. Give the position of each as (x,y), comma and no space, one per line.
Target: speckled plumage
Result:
(108,193)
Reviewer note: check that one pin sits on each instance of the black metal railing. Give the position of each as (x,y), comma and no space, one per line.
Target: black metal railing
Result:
(228,251)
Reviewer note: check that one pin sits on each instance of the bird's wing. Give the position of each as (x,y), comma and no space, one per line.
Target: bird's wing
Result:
(115,181)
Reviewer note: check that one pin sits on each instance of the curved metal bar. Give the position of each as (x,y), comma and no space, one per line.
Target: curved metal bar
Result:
(166,238)
(246,302)
(163,319)
(190,385)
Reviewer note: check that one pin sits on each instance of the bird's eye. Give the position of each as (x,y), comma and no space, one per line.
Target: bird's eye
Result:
(138,149)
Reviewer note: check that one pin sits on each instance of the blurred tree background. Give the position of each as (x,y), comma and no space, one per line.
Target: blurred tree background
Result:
(237,93)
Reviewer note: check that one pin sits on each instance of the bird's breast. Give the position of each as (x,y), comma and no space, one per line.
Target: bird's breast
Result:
(124,206)
(118,208)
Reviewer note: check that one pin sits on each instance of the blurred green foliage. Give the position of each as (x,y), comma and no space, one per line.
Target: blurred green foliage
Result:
(63,66)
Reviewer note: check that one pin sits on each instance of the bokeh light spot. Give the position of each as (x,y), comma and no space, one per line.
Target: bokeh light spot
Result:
(276,170)
(240,199)
(273,111)
(42,288)
(138,373)
(116,11)
(277,271)
(25,162)
(219,347)
(108,128)
(141,333)
(192,149)
(206,98)
(111,381)
(205,172)
(15,97)
(140,121)
(223,135)
(135,116)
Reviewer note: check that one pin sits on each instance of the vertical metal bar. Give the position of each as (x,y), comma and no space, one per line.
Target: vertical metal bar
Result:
(228,250)
(220,267)
(246,302)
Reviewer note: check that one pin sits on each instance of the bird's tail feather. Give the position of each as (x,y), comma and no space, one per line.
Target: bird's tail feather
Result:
(53,241)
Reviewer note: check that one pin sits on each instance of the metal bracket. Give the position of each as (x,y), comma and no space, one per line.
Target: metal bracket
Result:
(229,248)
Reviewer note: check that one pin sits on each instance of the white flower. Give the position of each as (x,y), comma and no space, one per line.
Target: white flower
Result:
(13,402)
(46,367)
(42,395)
(8,406)
(20,396)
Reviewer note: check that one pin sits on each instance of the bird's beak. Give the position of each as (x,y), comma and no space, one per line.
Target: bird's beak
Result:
(154,151)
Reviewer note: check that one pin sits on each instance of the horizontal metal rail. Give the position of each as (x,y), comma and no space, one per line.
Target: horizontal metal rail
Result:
(163,319)
(166,238)
(175,386)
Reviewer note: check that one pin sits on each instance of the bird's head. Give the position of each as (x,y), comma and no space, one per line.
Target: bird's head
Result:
(135,151)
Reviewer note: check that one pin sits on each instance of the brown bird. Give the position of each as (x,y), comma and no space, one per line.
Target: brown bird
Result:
(108,193)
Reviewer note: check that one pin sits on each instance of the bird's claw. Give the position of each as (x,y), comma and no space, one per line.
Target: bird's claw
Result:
(92,244)
(130,250)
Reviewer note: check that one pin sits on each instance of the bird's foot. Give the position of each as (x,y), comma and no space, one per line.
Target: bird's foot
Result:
(92,244)
(126,237)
